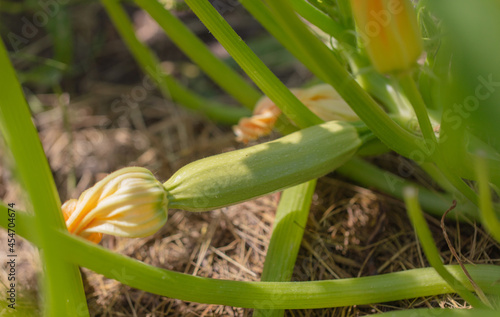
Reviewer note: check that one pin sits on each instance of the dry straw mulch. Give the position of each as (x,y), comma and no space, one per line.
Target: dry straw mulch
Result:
(351,231)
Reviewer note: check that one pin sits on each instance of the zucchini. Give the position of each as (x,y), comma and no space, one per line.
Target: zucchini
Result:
(240,175)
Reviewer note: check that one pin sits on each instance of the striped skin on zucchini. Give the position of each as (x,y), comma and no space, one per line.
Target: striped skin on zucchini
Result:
(240,175)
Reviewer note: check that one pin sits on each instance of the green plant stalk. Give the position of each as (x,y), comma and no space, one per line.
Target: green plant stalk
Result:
(264,15)
(50,71)
(492,157)
(324,7)
(261,12)
(370,80)
(437,61)
(62,284)
(346,15)
(365,107)
(471,31)
(377,85)
(287,233)
(410,88)
(319,19)
(435,151)
(432,312)
(252,65)
(61,29)
(456,181)
(434,203)
(456,170)
(488,217)
(288,230)
(168,86)
(276,295)
(264,168)
(437,175)
(453,142)
(12,7)
(432,254)
(195,49)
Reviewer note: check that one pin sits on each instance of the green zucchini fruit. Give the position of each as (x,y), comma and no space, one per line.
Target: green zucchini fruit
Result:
(240,175)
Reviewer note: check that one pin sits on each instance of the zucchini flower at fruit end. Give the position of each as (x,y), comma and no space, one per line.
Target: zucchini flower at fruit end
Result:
(130,202)
(389,31)
(323,100)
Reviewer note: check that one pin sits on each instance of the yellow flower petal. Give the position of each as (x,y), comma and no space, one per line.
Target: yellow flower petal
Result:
(323,100)
(389,31)
(130,202)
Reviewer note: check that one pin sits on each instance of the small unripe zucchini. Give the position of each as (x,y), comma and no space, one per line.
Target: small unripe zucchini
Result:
(240,175)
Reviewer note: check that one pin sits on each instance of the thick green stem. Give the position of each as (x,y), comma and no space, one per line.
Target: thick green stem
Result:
(410,88)
(319,19)
(431,312)
(456,181)
(365,107)
(370,80)
(377,85)
(488,216)
(264,295)
(63,290)
(437,175)
(252,65)
(432,254)
(433,149)
(195,49)
(434,203)
(288,230)
(261,12)
(169,86)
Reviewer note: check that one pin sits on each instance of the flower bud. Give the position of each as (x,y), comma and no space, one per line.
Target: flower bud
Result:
(389,31)
(130,202)
(260,123)
(323,100)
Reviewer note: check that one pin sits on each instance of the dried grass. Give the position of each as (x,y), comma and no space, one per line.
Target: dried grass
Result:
(351,231)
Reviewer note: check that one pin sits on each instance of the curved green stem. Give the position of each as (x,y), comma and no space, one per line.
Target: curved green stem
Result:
(365,107)
(319,19)
(376,84)
(434,150)
(252,65)
(63,289)
(262,14)
(434,203)
(432,312)
(438,176)
(168,86)
(488,216)
(195,49)
(264,295)
(370,80)
(288,230)
(457,182)
(409,87)
(432,254)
